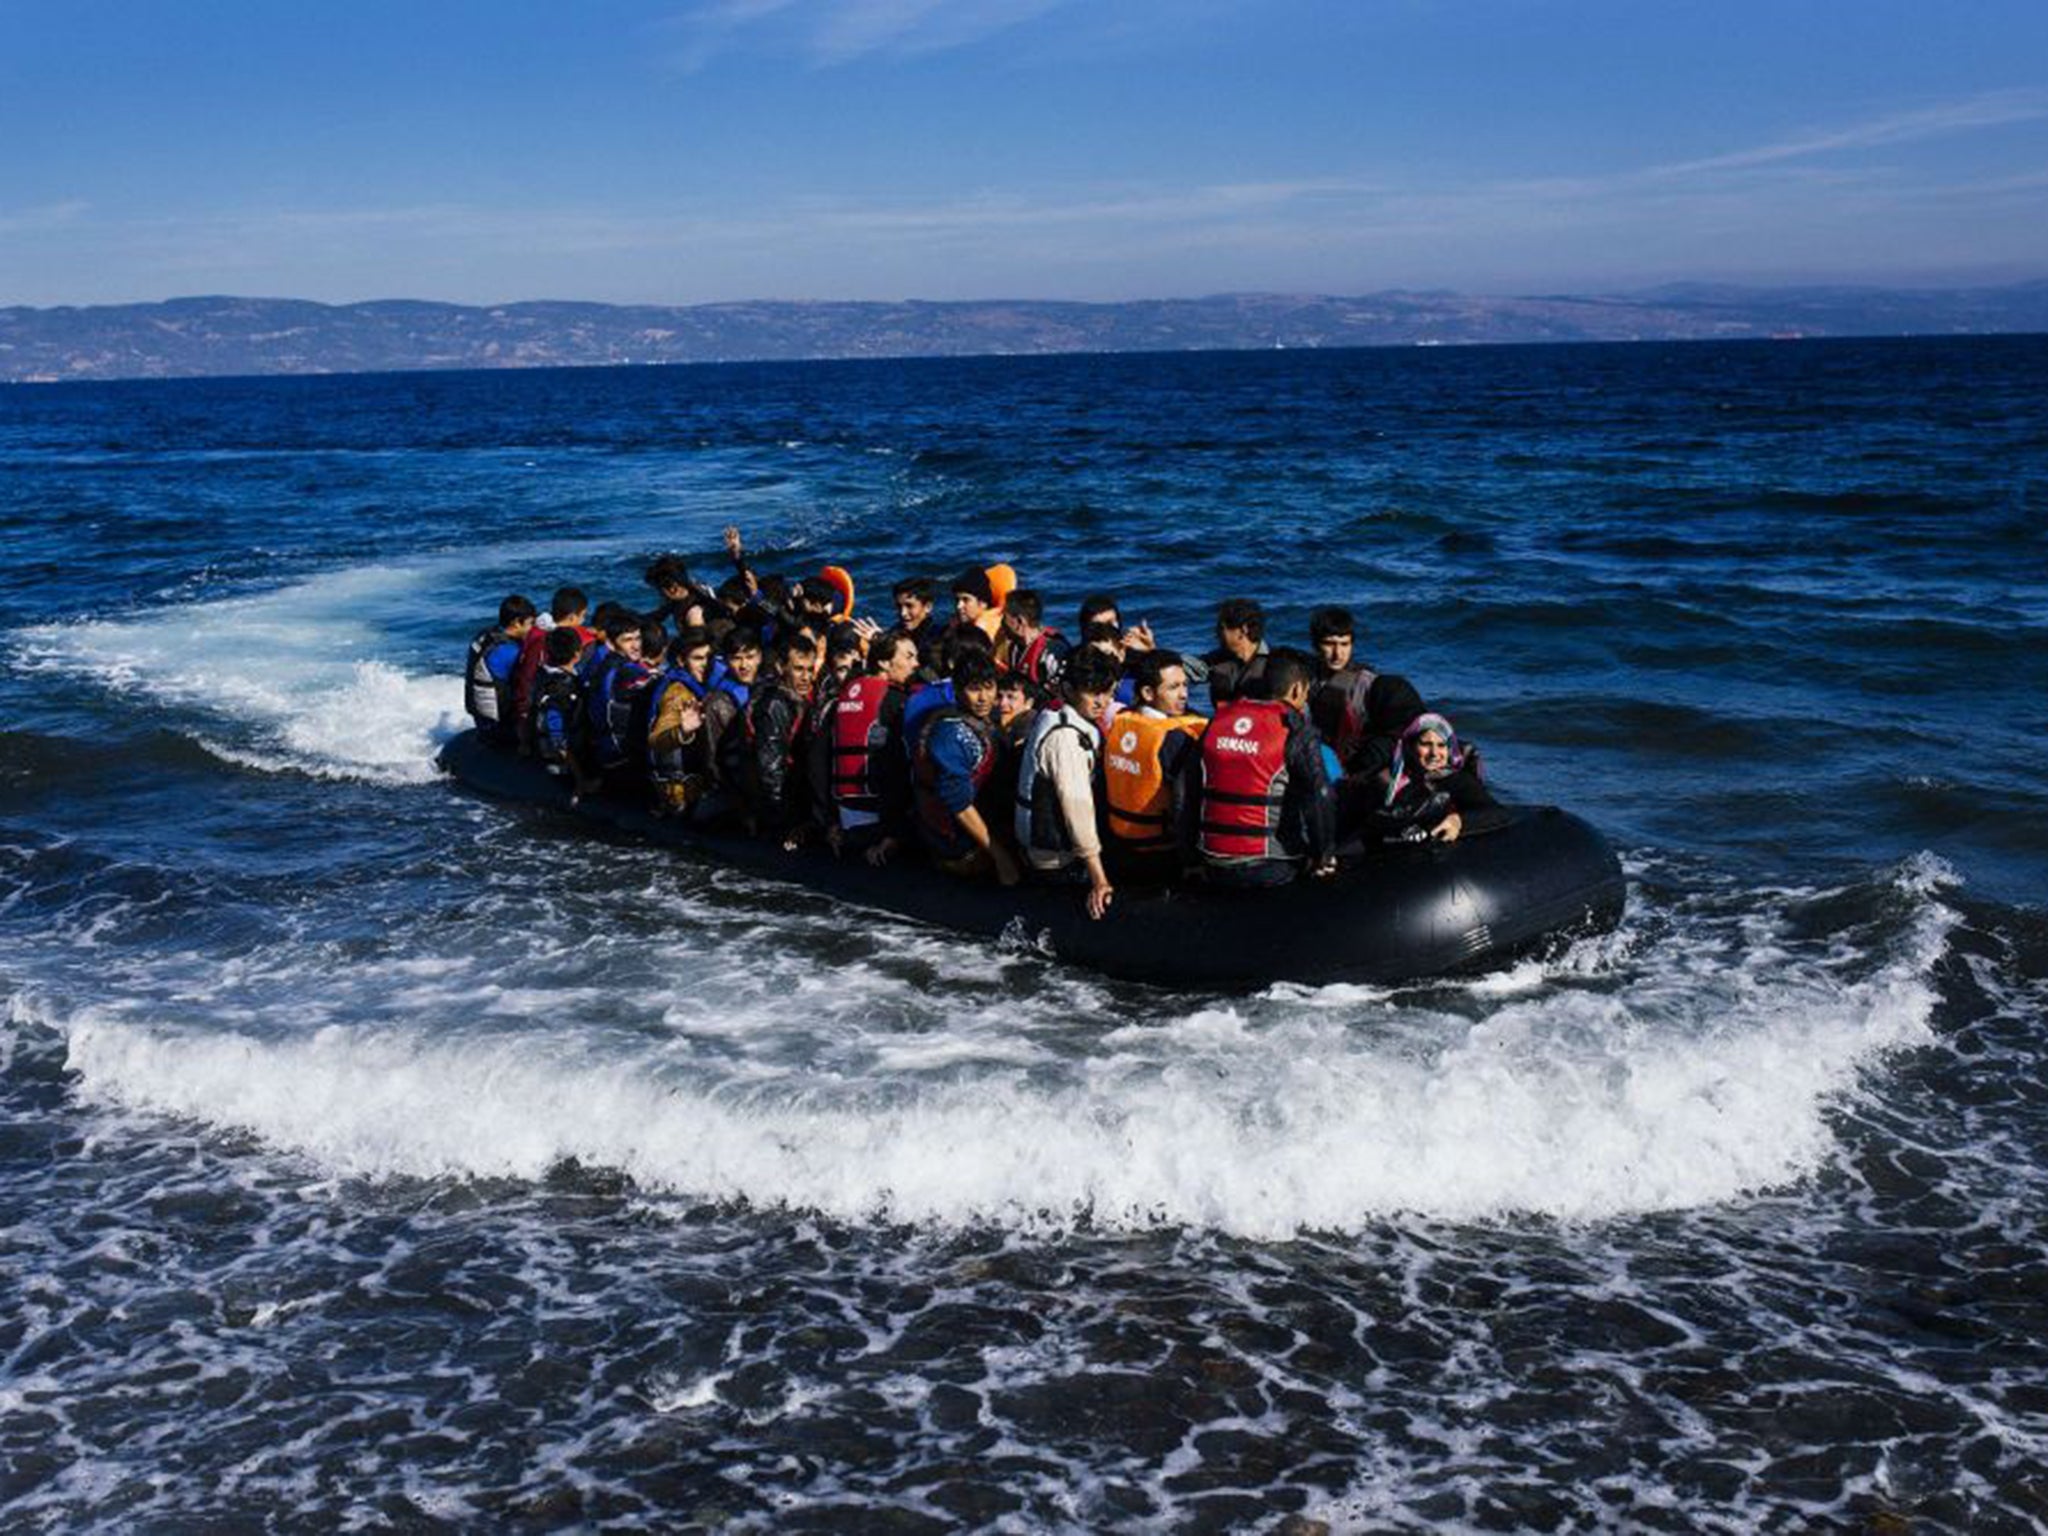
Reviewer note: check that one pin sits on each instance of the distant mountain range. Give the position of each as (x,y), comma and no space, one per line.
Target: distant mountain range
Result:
(202,336)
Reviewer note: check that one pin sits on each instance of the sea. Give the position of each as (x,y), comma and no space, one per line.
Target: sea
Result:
(376,1158)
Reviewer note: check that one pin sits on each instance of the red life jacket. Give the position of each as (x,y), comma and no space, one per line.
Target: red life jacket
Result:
(1244,781)
(1031,664)
(858,735)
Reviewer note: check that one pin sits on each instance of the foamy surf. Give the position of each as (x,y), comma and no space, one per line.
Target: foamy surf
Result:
(1571,1099)
(288,680)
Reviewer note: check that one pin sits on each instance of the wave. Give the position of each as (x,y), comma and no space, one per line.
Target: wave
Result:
(277,682)
(1685,1061)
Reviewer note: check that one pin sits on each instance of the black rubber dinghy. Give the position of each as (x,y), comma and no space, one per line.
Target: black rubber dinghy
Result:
(1400,915)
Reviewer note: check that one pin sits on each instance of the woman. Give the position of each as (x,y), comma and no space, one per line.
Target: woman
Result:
(1433,784)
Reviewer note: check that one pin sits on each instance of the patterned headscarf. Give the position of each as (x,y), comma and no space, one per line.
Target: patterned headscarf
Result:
(1405,769)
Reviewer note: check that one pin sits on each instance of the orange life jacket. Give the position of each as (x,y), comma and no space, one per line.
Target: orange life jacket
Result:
(1140,802)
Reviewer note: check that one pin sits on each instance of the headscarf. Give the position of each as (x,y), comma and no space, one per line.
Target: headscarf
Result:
(1405,769)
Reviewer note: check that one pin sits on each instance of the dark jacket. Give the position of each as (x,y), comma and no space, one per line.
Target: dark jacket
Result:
(1230,678)
(776,790)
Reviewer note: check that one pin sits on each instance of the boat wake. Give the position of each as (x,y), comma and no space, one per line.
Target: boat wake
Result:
(1699,1054)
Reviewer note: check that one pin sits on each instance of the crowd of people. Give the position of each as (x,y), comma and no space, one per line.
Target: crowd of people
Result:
(977,736)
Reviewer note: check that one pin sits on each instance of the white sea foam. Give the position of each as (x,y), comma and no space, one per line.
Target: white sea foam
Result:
(289,680)
(1675,1086)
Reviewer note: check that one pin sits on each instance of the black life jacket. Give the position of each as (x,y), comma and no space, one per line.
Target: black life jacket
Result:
(488,697)
(552,713)
(859,736)
(1244,781)
(1039,665)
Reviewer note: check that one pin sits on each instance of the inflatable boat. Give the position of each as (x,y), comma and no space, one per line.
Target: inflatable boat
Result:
(1401,914)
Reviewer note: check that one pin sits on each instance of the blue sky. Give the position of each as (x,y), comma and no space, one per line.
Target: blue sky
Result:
(818,149)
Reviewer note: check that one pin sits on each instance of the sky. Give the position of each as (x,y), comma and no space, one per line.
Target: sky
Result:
(633,151)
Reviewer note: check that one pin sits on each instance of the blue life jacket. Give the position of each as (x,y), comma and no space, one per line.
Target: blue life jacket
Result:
(726,683)
(918,712)
(487,682)
(612,699)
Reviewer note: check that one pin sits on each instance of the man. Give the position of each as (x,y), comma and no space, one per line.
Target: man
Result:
(956,753)
(686,604)
(614,727)
(974,603)
(1149,763)
(1239,659)
(1036,651)
(859,773)
(776,789)
(1056,780)
(678,750)
(554,703)
(489,687)
(914,596)
(568,606)
(1265,810)
(725,705)
(1337,702)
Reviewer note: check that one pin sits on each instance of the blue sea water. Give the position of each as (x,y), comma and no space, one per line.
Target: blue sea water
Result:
(373,1157)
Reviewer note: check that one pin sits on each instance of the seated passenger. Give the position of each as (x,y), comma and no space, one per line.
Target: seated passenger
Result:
(554,705)
(1150,761)
(777,789)
(1103,635)
(844,656)
(1056,824)
(974,603)
(1434,788)
(1239,659)
(685,604)
(1017,702)
(1337,703)
(1101,607)
(568,607)
(860,777)
(489,687)
(725,705)
(955,757)
(679,775)
(1265,809)
(614,699)
(914,596)
(1036,652)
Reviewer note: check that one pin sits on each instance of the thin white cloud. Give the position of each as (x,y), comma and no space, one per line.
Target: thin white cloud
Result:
(826,33)
(46,216)
(1994,109)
